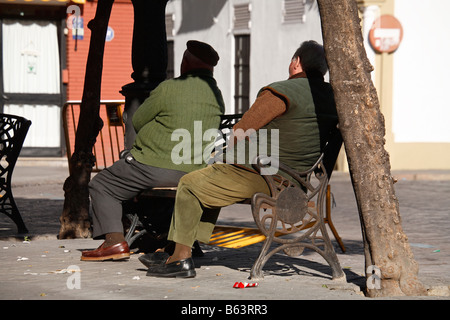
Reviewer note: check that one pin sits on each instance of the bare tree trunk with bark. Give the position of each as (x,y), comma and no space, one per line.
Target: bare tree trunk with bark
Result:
(363,129)
(75,216)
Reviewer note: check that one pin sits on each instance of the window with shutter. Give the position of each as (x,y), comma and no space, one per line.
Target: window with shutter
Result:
(242,17)
(170,25)
(294,11)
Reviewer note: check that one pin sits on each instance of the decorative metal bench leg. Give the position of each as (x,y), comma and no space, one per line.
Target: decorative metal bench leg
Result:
(9,207)
(330,256)
(328,253)
(256,273)
(17,218)
(136,236)
(337,272)
(13,130)
(130,237)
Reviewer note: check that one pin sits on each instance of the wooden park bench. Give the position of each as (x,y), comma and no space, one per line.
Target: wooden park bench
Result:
(13,130)
(294,216)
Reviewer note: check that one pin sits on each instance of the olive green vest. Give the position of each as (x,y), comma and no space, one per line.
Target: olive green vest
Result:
(297,136)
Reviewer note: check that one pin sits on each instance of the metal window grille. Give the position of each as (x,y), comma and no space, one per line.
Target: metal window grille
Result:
(242,73)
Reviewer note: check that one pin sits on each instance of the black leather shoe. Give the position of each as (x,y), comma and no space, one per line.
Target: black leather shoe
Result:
(179,269)
(154,258)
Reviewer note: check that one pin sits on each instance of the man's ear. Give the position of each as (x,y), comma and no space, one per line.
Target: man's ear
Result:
(298,65)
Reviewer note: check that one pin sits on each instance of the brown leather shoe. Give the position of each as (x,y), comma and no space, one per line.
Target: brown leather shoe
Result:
(118,251)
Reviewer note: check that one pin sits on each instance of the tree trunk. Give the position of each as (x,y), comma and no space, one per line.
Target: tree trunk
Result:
(362,125)
(75,217)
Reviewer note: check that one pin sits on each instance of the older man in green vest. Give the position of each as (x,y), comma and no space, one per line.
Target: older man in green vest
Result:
(299,112)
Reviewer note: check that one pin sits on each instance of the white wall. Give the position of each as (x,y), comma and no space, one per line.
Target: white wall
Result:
(421,101)
(219,36)
(272,43)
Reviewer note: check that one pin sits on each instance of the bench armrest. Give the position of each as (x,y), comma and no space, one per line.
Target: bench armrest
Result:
(288,177)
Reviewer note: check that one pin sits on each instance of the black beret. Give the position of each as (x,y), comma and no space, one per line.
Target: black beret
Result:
(203,51)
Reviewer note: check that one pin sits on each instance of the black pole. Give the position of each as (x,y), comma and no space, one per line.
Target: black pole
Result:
(149,58)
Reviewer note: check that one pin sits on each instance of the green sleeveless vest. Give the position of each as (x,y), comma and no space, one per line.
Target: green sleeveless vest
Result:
(297,136)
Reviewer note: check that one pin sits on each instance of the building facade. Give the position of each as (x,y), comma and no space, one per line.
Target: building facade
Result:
(32,50)
(412,82)
(255,40)
(44,48)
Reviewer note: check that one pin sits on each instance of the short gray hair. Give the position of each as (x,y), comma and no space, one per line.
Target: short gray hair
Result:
(312,57)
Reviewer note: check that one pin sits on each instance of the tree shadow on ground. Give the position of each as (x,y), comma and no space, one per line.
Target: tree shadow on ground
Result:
(309,263)
(41,217)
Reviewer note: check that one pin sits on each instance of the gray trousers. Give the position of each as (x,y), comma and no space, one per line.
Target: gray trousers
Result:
(122,181)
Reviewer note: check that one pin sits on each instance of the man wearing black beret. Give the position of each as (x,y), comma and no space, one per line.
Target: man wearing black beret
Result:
(175,104)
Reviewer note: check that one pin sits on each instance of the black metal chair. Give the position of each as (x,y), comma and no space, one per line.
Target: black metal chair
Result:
(13,130)
(293,216)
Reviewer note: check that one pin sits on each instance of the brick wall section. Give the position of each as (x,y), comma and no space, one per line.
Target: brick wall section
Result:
(117,59)
(116,73)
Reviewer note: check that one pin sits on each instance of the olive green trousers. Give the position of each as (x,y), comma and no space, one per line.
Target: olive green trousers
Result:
(202,193)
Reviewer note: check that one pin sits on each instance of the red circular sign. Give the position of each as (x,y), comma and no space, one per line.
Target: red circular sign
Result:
(386,34)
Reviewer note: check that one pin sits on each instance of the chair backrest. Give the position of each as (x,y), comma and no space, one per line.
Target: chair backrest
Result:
(229,120)
(13,130)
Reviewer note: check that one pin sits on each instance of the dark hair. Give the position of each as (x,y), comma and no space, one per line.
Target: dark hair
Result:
(312,57)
